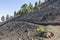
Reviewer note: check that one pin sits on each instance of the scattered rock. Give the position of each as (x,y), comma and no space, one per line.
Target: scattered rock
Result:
(45,34)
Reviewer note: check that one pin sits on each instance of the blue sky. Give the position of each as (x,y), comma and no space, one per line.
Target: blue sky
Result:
(9,6)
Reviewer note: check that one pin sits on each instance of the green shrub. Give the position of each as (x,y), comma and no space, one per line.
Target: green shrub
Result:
(40,30)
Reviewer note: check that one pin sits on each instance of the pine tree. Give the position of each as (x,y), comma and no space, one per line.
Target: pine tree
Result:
(3,18)
(15,14)
(7,17)
(11,17)
(31,7)
(37,6)
(39,3)
(24,7)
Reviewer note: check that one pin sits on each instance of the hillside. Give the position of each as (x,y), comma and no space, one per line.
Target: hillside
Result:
(49,14)
(24,27)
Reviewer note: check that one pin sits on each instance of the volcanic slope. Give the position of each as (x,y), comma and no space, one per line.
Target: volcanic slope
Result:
(23,27)
(48,14)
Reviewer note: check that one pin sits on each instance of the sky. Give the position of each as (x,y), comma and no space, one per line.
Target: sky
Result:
(9,6)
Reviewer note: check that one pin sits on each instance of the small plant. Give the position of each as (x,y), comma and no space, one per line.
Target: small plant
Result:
(40,30)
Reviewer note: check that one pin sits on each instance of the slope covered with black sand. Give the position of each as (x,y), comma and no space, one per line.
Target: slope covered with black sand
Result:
(24,27)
